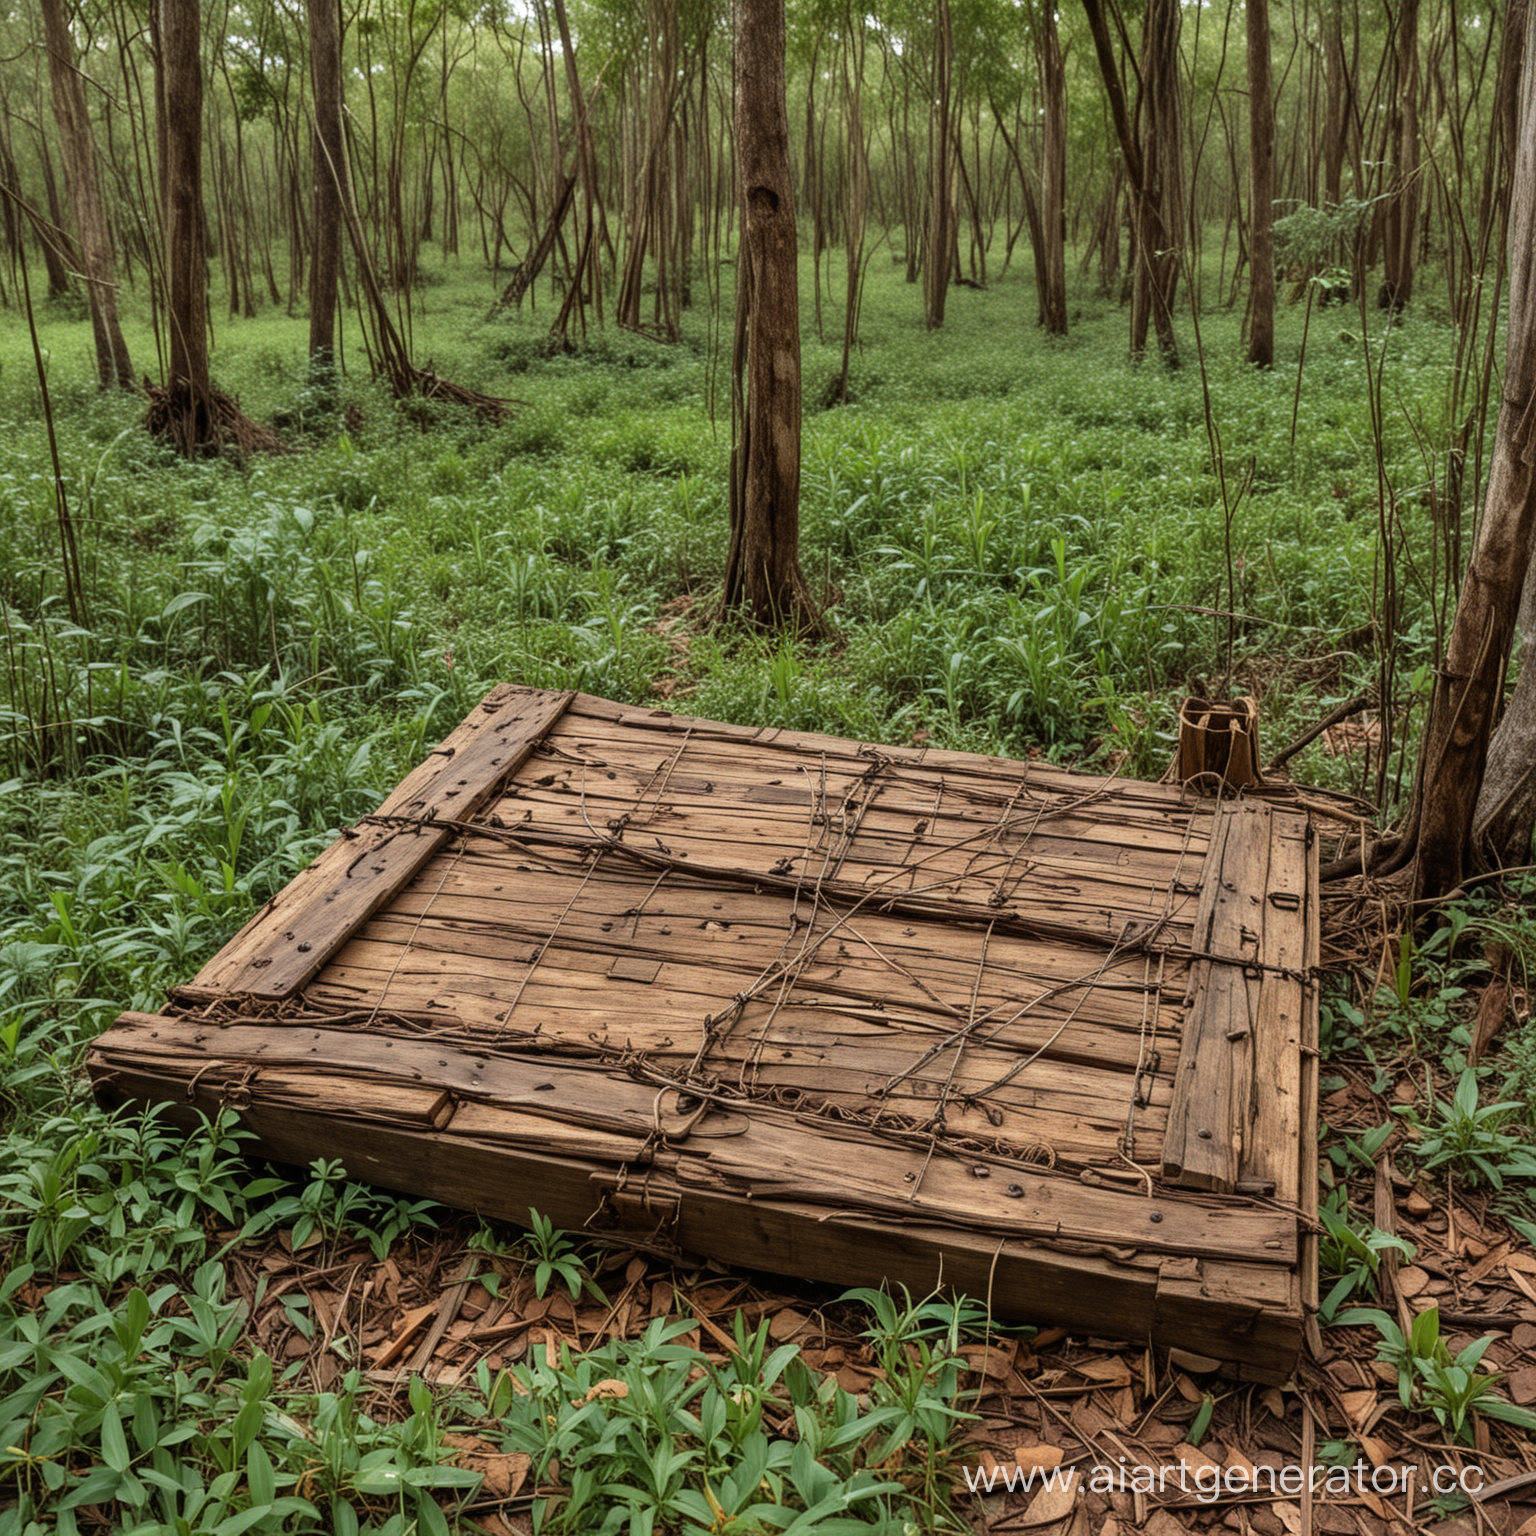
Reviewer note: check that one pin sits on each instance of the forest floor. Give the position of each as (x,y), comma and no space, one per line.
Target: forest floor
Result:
(1024,548)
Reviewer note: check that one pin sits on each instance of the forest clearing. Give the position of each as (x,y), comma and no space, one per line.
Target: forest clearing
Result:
(858,402)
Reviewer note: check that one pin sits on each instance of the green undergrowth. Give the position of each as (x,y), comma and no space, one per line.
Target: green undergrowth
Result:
(1020,544)
(1417,1095)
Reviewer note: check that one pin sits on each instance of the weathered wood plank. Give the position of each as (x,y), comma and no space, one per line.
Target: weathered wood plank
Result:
(1273,1132)
(292,936)
(1208,1120)
(888,975)
(1070,921)
(1310,1064)
(599,716)
(454,922)
(833,1163)
(1022,1279)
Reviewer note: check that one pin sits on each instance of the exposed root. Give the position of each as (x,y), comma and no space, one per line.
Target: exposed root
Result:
(195,428)
(430,386)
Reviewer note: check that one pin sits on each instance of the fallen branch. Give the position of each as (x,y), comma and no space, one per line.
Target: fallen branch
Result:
(1332,718)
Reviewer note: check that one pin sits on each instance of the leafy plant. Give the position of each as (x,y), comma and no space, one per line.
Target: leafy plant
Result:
(1352,1252)
(331,1206)
(1471,1138)
(649,1435)
(555,1257)
(917,1346)
(1433,1381)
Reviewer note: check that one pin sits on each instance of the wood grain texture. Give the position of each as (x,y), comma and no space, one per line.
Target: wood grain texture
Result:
(1236,1111)
(293,935)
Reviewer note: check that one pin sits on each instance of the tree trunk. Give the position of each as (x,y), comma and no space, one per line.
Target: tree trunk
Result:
(1462,785)
(1400,252)
(1161,223)
(654,93)
(330,150)
(1051,275)
(1334,72)
(1154,167)
(941,191)
(177,29)
(57,248)
(762,573)
(856,187)
(586,286)
(1261,189)
(113,368)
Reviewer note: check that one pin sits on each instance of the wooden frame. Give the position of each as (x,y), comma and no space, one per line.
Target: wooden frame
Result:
(848,1012)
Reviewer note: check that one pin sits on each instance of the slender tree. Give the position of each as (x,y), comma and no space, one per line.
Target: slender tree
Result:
(762,572)
(1154,166)
(1051,273)
(113,368)
(177,32)
(852,51)
(1401,222)
(941,170)
(1261,189)
(330,153)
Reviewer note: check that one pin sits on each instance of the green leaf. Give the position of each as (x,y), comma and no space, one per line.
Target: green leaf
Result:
(386,1481)
(1202,1421)
(114,1443)
(440,1477)
(243,1521)
(260,1474)
(1508,1413)
(181,601)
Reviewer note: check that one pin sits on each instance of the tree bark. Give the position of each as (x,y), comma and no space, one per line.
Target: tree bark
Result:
(1335,72)
(587,278)
(1456,791)
(763,563)
(330,149)
(1399,253)
(1051,276)
(1261,189)
(1161,226)
(58,250)
(113,368)
(941,191)
(856,186)
(177,29)
(1505,817)
(1153,167)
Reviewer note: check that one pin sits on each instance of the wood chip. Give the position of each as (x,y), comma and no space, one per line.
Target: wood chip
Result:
(1201,1365)
(1037,1458)
(504,1472)
(408,1326)
(1110,1371)
(1359,1406)
(609,1386)
(787,1324)
(1049,1505)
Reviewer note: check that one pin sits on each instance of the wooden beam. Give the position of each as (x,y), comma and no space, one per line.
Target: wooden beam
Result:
(1208,1121)
(283,946)
(765,1151)
(1233,1310)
